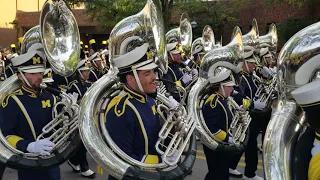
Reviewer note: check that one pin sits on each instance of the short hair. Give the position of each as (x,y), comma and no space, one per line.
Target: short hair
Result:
(123,77)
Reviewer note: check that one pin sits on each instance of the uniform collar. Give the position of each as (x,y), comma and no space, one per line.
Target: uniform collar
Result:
(246,73)
(136,95)
(220,95)
(29,91)
(95,68)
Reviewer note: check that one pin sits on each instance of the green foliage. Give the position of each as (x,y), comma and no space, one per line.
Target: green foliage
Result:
(109,12)
(288,28)
(217,14)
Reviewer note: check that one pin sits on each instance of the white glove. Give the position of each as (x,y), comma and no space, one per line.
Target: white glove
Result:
(74,96)
(186,78)
(234,92)
(258,105)
(173,103)
(194,72)
(265,72)
(316,148)
(230,140)
(42,146)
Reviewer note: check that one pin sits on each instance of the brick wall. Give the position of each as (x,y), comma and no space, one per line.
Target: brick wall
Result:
(7,37)
(265,15)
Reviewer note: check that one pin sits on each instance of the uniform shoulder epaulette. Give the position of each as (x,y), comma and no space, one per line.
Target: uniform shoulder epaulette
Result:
(213,99)
(6,99)
(118,104)
(71,83)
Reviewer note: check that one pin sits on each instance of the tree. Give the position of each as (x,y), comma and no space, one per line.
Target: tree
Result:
(217,14)
(109,12)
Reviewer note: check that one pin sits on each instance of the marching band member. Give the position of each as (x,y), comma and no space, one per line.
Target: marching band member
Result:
(133,110)
(218,117)
(94,47)
(197,55)
(78,161)
(47,77)
(307,97)
(97,64)
(80,84)
(175,71)
(86,50)
(2,71)
(248,87)
(104,45)
(32,109)
(9,69)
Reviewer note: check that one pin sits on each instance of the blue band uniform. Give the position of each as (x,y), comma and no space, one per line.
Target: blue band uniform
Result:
(139,124)
(23,115)
(218,117)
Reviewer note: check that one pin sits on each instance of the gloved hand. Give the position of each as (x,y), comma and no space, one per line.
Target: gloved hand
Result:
(173,103)
(186,78)
(230,140)
(258,105)
(194,72)
(265,72)
(74,96)
(42,146)
(314,165)
(234,92)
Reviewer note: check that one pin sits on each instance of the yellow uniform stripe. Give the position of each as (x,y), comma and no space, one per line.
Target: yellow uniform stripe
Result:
(13,140)
(221,135)
(26,115)
(151,159)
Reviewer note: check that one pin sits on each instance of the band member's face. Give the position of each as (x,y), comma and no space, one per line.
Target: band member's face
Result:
(176,58)
(148,81)
(85,74)
(251,66)
(34,79)
(270,61)
(98,63)
(228,90)
(200,56)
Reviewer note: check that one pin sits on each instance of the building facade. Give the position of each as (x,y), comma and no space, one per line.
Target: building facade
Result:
(265,15)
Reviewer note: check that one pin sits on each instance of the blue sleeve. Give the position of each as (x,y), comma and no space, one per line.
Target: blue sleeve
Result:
(74,89)
(122,129)
(215,119)
(9,71)
(244,88)
(9,122)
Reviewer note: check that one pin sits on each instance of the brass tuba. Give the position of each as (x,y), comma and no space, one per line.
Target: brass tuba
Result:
(228,57)
(60,19)
(207,41)
(252,37)
(270,40)
(182,35)
(298,65)
(144,27)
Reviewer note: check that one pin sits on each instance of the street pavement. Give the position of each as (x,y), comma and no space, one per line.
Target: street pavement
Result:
(199,168)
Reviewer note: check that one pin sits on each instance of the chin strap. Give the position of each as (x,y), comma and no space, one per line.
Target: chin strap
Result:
(137,79)
(222,89)
(24,78)
(80,74)
(246,64)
